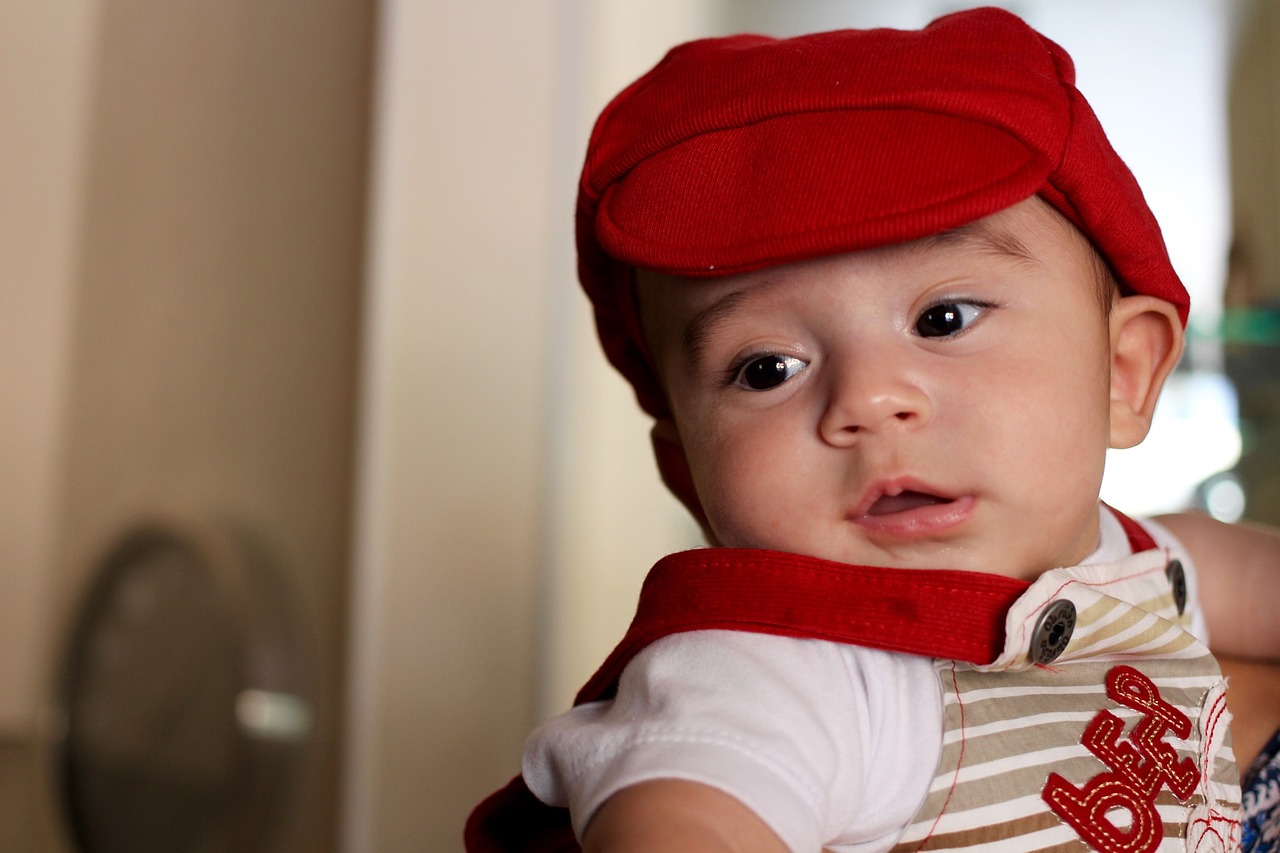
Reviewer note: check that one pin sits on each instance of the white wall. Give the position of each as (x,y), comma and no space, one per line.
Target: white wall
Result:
(494,438)
(181,203)
(610,518)
(453,415)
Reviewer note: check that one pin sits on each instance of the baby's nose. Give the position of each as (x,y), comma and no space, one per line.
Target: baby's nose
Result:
(870,399)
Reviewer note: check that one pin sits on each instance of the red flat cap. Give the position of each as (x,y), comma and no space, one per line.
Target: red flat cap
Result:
(745,152)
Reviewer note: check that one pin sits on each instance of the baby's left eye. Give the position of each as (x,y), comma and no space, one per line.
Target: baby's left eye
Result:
(948,318)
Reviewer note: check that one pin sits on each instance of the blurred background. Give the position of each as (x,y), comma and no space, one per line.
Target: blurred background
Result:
(288,286)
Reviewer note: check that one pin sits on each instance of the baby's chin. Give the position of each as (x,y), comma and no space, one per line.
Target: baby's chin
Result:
(916,558)
(984,542)
(926,556)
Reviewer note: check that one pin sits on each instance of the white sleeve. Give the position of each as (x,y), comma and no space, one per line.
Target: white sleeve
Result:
(770,720)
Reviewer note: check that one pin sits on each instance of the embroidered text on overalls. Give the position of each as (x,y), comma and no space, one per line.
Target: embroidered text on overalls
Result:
(1140,767)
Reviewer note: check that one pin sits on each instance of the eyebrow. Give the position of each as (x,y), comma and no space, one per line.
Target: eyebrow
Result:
(982,237)
(700,328)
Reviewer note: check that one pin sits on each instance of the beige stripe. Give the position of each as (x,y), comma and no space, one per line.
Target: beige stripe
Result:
(1154,631)
(1048,701)
(977,789)
(1030,736)
(1093,618)
(994,717)
(976,784)
(1070,688)
(1077,719)
(1010,830)
(1025,825)
(1163,606)
(1133,629)
(1098,611)
(1224,761)
(1181,647)
(1170,810)
(994,832)
(1186,683)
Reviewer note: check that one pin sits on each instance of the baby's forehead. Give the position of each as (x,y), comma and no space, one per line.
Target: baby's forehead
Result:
(1002,235)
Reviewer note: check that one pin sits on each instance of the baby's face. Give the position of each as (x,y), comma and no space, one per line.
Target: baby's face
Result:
(936,404)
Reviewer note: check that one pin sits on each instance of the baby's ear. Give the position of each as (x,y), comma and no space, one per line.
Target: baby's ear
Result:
(674,467)
(1146,342)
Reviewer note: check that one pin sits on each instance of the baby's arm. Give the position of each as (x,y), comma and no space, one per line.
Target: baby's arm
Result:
(1238,568)
(672,814)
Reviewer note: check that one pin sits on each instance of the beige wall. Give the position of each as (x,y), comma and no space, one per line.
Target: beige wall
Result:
(184,194)
(45,81)
(452,415)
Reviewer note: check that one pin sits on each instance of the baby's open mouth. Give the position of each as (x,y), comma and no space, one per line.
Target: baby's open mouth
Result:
(905,501)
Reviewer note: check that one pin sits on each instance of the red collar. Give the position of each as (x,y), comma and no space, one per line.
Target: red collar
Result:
(925,612)
(936,613)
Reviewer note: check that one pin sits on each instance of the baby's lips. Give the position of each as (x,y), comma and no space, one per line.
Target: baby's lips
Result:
(904,501)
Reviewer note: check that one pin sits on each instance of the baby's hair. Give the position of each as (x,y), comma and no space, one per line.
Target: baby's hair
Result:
(1106,284)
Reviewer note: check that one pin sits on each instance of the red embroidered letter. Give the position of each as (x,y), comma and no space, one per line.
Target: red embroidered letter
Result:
(1139,768)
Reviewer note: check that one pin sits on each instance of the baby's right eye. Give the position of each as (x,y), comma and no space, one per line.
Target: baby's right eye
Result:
(767,371)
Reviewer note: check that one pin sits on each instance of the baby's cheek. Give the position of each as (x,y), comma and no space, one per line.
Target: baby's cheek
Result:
(736,521)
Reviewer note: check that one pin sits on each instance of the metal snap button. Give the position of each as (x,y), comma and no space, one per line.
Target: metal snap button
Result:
(1053,632)
(1178,584)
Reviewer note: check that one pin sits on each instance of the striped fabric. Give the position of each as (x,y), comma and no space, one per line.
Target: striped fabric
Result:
(1119,744)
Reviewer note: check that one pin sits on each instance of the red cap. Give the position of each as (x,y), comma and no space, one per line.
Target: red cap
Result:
(745,152)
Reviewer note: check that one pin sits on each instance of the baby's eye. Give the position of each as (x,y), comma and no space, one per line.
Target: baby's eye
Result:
(948,318)
(767,371)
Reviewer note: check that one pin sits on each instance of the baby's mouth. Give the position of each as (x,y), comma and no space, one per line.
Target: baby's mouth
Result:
(900,513)
(904,502)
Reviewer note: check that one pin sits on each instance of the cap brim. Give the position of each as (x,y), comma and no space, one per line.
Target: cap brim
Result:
(811,184)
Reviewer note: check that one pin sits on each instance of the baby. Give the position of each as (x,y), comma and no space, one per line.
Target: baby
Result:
(890,296)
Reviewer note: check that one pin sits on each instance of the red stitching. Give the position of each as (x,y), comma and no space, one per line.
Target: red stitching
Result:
(1209,829)
(955,779)
(1215,713)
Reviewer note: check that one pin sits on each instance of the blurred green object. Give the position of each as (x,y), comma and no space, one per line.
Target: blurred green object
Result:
(1246,326)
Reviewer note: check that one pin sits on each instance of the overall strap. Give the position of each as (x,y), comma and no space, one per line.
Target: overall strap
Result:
(930,612)
(1139,539)
(936,613)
